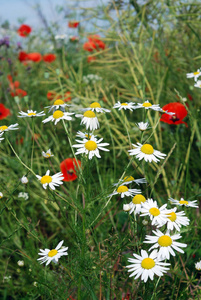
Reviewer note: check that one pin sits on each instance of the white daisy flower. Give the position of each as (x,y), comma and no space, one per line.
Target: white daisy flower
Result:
(95,106)
(90,147)
(198,84)
(166,243)
(194,75)
(52,181)
(52,255)
(1,139)
(147,265)
(198,265)
(176,220)
(57,105)
(183,202)
(57,116)
(136,204)
(85,135)
(146,152)
(126,207)
(24,180)
(47,154)
(142,126)
(125,105)
(123,190)
(89,119)
(8,128)
(1,195)
(23,195)
(158,215)
(129,179)
(20,263)
(31,114)
(148,105)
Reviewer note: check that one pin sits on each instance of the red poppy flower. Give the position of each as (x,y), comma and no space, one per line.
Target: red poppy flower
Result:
(51,95)
(49,57)
(91,58)
(22,56)
(4,112)
(14,86)
(73,24)
(34,56)
(96,40)
(24,30)
(180,113)
(68,168)
(74,39)
(89,46)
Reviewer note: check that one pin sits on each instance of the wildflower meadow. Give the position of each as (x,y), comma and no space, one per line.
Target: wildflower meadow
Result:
(100,149)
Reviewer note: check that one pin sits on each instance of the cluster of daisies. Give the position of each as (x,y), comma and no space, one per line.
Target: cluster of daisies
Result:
(196,76)
(163,242)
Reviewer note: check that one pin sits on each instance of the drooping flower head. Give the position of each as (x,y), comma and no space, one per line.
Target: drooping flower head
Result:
(180,113)
(24,30)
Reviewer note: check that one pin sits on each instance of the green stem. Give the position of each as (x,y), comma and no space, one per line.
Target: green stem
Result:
(32,151)
(20,158)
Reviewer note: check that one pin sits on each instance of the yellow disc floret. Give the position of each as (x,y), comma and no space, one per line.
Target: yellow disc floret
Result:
(89,114)
(58,102)
(46,179)
(91,145)
(58,114)
(2,128)
(172,216)
(31,114)
(196,73)
(165,241)
(128,178)
(95,105)
(154,211)
(146,104)
(183,202)
(147,263)
(52,252)
(138,199)
(122,189)
(124,104)
(147,149)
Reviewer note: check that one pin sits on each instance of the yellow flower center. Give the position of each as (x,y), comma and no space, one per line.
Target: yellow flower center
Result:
(147,263)
(46,179)
(88,136)
(183,202)
(52,252)
(58,114)
(122,189)
(154,211)
(196,73)
(91,145)
(147,149)
(165,241)
(31,114)
(95,105)
(124,104)
(128,178)
(2,128)
(146,104)
(58,102)
(89,114)
(172,216)
(48,155)
(138,199)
